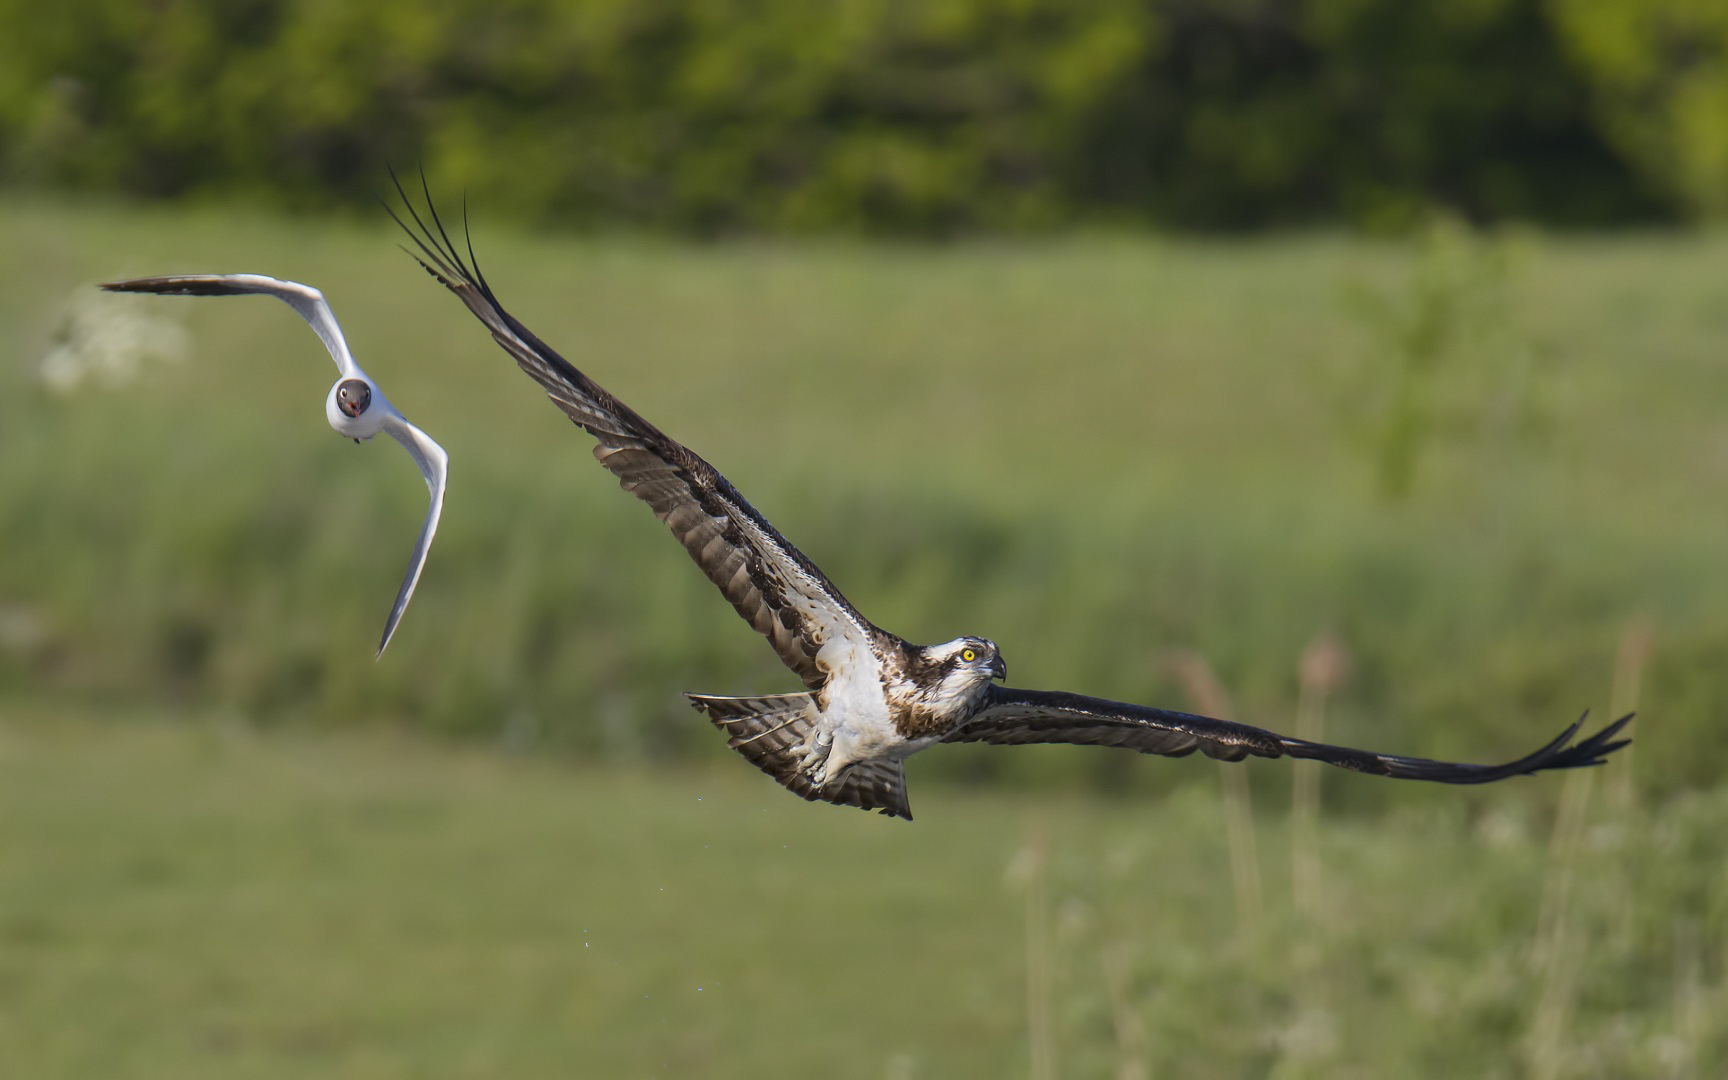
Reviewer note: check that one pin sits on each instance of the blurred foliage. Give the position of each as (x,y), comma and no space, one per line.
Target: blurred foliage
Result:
(901,116)
(1659,80)
(1450,361)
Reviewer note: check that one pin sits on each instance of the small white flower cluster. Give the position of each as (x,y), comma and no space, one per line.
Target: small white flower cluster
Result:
(109,342)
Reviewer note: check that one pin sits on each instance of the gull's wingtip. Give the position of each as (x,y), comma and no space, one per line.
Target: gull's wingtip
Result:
(390,624)
(207,285)
(148,284)
(406,593)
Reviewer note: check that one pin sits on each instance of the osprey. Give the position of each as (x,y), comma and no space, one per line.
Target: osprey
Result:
(871,699)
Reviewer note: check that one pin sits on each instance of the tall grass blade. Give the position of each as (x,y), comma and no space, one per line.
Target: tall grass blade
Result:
(1129,1031)
(1637,639)
(1325,664)
(1030,869)
(1203,688)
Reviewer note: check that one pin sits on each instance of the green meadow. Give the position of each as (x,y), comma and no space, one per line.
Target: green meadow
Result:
(232,844)
(192,897)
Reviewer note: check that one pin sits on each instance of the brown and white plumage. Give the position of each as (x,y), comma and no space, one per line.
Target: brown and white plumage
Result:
(871,698)
(770,583)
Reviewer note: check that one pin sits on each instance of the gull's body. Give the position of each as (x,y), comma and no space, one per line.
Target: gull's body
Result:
(871,698)
(355,407)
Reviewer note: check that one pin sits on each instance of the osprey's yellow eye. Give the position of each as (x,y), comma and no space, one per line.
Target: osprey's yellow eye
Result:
(968,655)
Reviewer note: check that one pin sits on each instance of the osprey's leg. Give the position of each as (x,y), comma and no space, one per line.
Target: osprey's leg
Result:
(831,755)
(813,761)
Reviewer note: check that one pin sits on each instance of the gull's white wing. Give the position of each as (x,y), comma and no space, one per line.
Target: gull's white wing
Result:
(306,300)
(435,467)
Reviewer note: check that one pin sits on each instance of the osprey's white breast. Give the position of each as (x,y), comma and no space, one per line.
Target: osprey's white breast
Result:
(855,719)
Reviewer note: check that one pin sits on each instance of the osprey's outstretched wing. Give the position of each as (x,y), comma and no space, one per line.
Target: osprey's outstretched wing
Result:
(772,584)
(1043,716)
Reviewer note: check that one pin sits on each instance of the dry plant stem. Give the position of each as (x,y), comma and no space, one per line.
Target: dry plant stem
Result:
(1552,958)
(1203,687)
(1324,664)
(1130,1033)
(1630,660)
(1689,1017)
(1039,975)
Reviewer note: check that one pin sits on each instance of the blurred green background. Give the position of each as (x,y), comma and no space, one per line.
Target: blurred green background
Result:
(1351,365)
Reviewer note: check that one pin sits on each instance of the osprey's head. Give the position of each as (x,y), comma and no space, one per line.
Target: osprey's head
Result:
(956,672)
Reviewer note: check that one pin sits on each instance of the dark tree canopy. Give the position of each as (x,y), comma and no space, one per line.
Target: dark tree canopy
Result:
(888,116)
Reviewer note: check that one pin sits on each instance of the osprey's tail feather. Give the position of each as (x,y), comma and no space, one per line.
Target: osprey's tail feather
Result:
(772,733)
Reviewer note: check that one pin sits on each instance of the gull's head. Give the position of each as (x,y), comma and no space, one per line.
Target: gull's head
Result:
(353,396)
(356,408)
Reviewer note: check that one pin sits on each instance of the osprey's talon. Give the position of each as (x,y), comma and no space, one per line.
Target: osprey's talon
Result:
(814,759)
(815,769)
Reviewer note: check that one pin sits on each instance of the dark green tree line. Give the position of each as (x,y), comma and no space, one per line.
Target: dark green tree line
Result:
(899,116)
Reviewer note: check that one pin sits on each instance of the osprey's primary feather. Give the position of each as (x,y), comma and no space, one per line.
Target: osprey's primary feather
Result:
(871,698)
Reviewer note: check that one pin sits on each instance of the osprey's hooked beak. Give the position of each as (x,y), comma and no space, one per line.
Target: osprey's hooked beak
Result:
(999,668)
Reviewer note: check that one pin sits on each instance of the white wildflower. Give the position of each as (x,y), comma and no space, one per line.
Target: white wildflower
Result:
(110,341)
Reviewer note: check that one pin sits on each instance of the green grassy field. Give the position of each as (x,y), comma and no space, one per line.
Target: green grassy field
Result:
(230,850)
(205,899)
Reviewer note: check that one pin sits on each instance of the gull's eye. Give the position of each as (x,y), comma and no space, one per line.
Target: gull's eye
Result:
(968,655)
(353,396)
